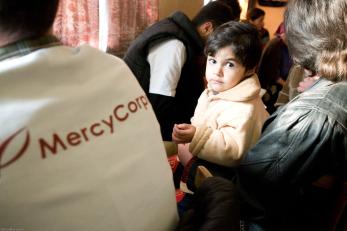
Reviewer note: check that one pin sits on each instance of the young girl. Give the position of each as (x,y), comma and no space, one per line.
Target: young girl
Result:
(230,114)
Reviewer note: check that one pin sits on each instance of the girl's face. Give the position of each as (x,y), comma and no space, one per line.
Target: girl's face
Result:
(223,71)
(258,22)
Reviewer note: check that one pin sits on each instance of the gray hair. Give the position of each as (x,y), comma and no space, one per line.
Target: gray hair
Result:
(317,36)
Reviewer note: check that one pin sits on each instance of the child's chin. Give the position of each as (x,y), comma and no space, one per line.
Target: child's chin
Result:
(216,89)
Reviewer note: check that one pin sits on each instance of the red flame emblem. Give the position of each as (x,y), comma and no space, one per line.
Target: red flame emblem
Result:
(20,152)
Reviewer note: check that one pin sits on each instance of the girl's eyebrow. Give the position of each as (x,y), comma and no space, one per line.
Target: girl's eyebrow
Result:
(226,59)
(231,59)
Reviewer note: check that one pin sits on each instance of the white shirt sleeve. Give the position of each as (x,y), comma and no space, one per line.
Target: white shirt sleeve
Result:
(166,60)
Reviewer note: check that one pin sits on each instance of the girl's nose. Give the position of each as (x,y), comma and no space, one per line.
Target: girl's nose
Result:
(218,70)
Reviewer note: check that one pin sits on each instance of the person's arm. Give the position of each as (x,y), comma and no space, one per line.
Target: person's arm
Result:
(182,135)
(224,144)
(291,145)
(200,135)
(166,60)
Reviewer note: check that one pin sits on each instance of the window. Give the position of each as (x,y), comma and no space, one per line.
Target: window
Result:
(109,25)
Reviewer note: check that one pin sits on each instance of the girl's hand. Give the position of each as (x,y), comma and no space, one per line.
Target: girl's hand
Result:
(184,155)
(183,133)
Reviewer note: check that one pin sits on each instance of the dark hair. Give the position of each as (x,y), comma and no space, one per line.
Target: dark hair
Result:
(255,13)
(319,42)
(215,12)
(27,18)
(235,7)
(241,37)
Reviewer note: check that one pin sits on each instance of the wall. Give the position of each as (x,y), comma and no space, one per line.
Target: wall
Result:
(244,7)
(189,7)
(273,17)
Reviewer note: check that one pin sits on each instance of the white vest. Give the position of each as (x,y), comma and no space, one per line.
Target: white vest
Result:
(80,147)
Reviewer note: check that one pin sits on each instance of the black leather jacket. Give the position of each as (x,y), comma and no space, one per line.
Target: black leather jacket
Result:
(302,141)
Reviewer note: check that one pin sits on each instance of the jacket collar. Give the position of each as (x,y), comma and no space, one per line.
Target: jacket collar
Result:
(246,90)
(27,46)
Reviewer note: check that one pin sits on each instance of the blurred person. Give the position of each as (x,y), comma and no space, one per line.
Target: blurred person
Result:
(298,81)
(255,16)
(274,68)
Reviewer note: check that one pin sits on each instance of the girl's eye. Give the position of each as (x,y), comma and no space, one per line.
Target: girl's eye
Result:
(212,61)
(229,64)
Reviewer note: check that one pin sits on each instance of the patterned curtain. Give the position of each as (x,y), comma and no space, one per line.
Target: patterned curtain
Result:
(127,19)
(77,22)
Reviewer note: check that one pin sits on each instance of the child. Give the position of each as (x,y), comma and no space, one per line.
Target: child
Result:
(229,116)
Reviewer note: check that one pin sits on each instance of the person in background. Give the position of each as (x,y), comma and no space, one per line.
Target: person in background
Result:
(230,113)
(69,117)
(306,139)
(298,81)
(168,61)
(255,16)
(235,7)
(289,89)
(274,68)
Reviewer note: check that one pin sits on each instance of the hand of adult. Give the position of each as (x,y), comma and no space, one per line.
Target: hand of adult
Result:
(307,83)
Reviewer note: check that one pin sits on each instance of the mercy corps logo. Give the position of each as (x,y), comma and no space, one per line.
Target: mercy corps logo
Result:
(21,150)
(16,145)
